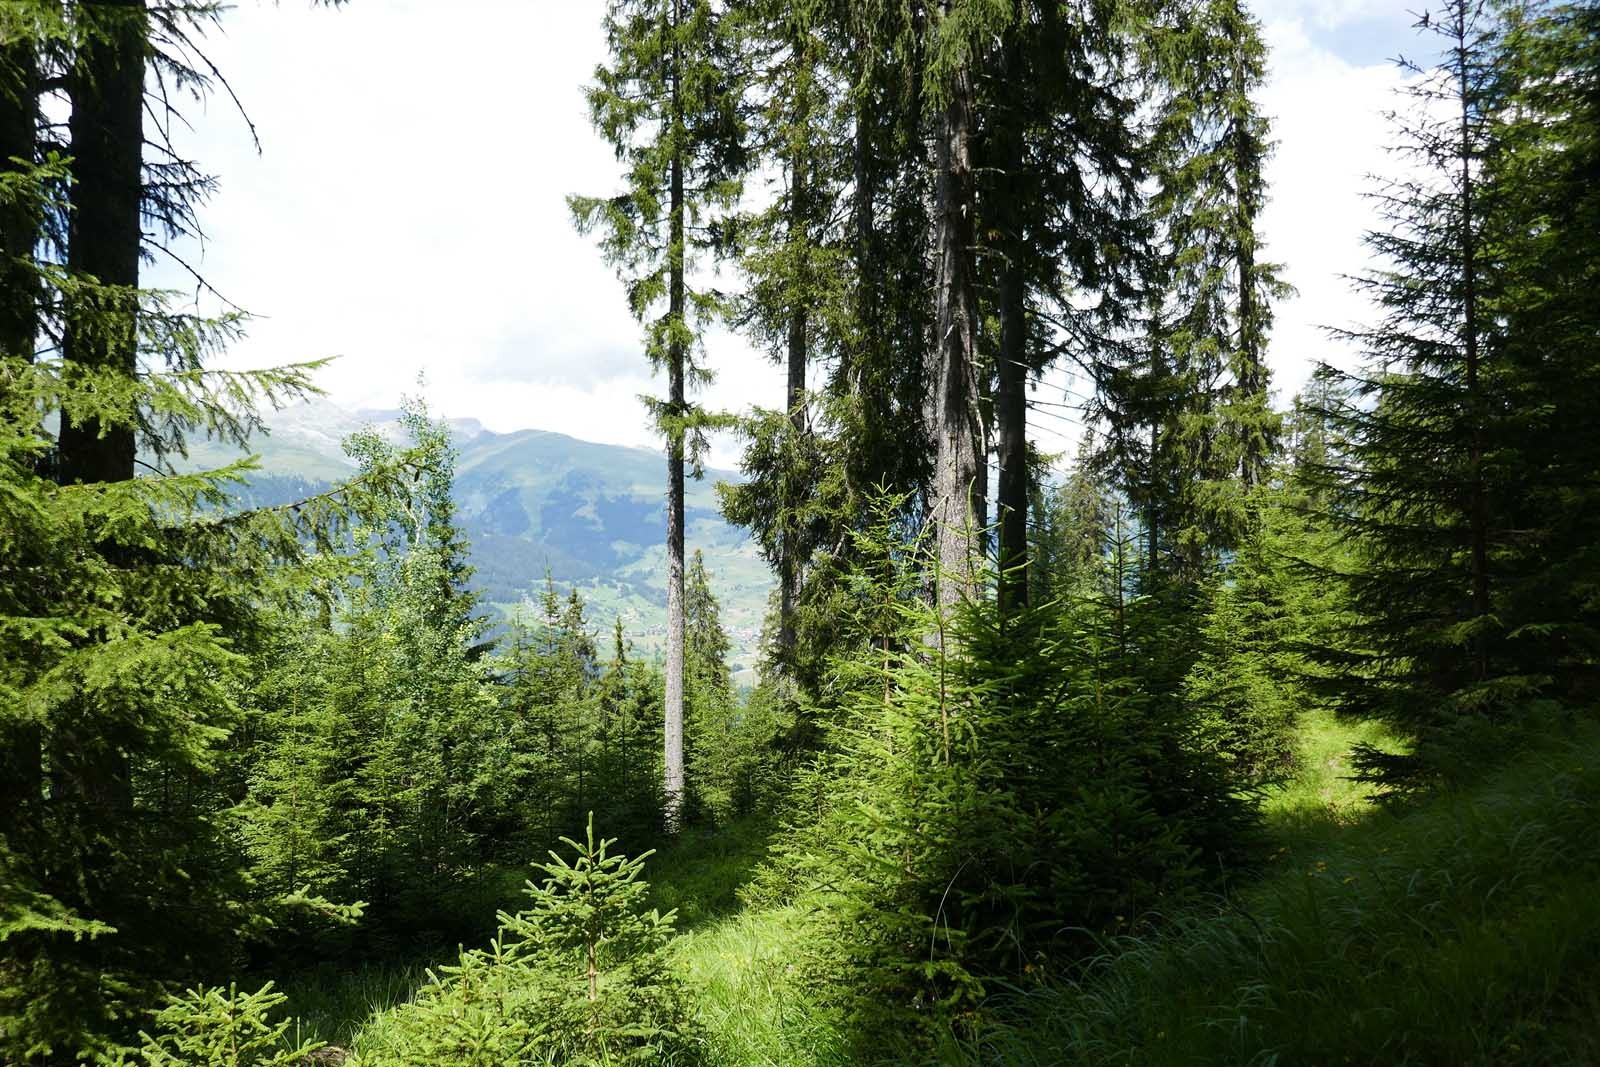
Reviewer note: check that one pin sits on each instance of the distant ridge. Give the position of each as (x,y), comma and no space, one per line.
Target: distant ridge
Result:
(535,501)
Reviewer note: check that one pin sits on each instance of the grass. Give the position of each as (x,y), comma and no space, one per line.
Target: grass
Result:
(741,970)
(1466,931)
(331,1004)
(701,874)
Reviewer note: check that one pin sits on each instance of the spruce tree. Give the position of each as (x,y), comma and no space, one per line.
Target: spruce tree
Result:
(1422,481)
(1056,91)
(1542,213)
(580,976)
(668,104)
(1184,399)
(955,30)
(791,251)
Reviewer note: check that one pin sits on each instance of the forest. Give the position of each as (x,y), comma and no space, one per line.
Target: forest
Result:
(1258,730)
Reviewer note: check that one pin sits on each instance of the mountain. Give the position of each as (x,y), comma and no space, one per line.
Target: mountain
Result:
(591,515)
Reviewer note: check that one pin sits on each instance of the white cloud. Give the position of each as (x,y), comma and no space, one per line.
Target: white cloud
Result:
(407,212)
(1327,116)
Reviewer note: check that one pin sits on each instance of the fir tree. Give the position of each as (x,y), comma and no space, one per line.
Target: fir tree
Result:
(668,105)
(1421,481)
(578,977)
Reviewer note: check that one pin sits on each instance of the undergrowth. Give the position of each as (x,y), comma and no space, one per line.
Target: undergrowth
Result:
(1466,931)
(1463,929)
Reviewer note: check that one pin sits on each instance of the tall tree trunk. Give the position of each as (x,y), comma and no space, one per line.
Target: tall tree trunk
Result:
(103,235)
(20,778)
(956,417)
(789,553)
(1011,400)
(101,330)
(1252,373)
(20,218)
(1478,512)
(677,407)
(1011,414)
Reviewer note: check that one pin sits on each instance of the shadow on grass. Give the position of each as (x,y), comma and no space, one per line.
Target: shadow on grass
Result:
(1463,928)
(700,874)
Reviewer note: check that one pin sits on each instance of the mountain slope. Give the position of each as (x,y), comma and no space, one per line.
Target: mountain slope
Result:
(592,516)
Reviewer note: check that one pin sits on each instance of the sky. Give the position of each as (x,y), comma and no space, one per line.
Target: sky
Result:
(406,210)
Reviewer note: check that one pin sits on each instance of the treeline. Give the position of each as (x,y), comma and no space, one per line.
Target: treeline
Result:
(996,722)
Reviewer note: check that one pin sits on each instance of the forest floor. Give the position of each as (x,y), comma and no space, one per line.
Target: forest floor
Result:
(1465,930)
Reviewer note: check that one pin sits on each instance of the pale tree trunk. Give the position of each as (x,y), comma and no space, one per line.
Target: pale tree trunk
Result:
(673,779)
(956,418)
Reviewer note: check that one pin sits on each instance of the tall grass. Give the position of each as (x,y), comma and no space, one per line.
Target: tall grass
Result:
(748,1004)
(1464,932)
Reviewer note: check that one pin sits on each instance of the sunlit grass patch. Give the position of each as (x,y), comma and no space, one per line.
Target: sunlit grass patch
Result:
(753,1011)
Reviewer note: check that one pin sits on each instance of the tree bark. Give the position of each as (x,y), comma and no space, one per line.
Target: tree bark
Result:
(789,566)
(19,220)
(673,784)
(100,330)
(103,235)
(1252,373)
(1478,511)
(1011,401)
(956,417)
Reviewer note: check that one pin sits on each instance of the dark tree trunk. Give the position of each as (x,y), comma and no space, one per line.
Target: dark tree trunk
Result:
(103,235)
(1011,414)
(20,776)
(1478,510)
(1252,373)
(956,418)
(1011,378)
(789,553)
(100,331)
(20,219)
(677,407)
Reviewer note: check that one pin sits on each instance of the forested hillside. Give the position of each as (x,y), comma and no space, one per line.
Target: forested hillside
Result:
(1259,729)
(533,503)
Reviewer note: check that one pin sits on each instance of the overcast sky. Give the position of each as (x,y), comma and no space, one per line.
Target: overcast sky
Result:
(406,212)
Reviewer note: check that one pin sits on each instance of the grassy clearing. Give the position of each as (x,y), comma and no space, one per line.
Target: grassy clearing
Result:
(1465,932)
(331,1005)
(701,874)
(1322,788)
(742,976)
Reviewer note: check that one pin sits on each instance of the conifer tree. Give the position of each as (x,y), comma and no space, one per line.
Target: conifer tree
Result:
(956,30)
(1188,420)
(731,745)
(791,251)
(1056,92)
(628,702)
(1542,213)
(221,1029)
(578,977)
(668,104)
(1421,482)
